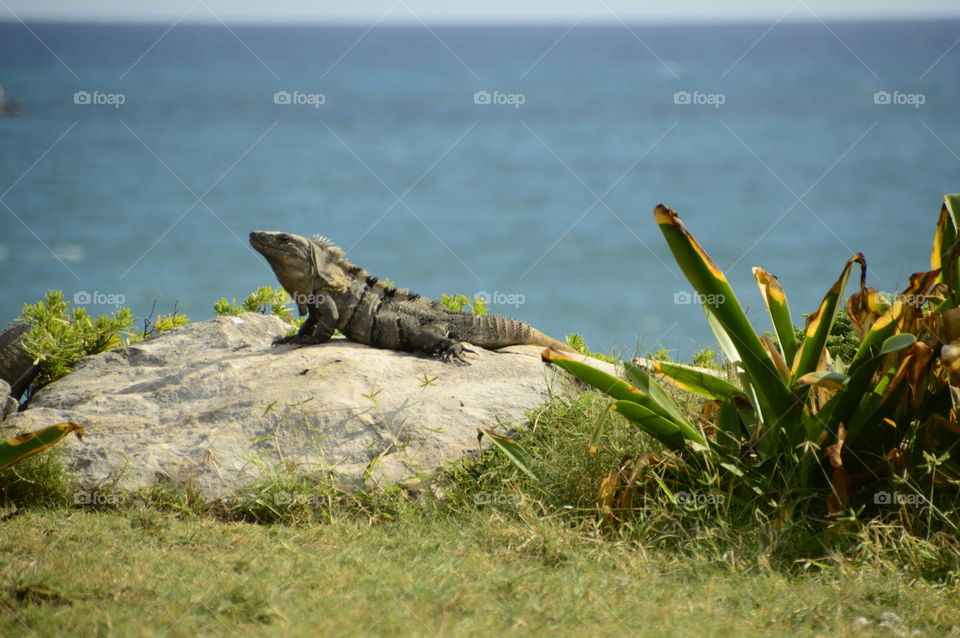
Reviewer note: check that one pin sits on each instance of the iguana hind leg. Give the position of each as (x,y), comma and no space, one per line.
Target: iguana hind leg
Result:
(319,326)
(455,351)
(432,339)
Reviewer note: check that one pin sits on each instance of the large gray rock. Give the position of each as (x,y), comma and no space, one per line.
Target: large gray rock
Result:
(214,404)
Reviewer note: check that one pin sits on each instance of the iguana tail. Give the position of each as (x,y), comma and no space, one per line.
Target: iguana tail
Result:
(494,331)
(537,338)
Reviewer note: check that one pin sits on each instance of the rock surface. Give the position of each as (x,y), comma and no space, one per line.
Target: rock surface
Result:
(214,404)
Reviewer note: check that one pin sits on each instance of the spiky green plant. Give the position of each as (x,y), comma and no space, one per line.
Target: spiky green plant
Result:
(795,416)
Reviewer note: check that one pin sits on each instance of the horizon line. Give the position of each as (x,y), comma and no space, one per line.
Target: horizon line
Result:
(467,21)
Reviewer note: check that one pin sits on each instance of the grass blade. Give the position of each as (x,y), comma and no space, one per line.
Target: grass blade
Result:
(513,450)
(597,430)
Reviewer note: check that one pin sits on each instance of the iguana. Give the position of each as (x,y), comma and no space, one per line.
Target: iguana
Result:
(336,295)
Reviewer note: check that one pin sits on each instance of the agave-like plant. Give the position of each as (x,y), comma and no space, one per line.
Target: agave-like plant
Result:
(792,407)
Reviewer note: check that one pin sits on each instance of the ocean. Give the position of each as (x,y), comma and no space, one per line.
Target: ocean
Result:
(521,163)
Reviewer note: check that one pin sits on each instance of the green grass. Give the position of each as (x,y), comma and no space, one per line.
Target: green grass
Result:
(140,571)
(484,550)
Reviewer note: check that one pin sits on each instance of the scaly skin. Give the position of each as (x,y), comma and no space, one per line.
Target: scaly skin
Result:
(336,295)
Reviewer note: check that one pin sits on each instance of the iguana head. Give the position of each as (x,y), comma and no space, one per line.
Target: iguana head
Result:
(302,266)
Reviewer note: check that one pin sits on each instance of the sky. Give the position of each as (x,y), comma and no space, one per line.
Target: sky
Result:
(478,11)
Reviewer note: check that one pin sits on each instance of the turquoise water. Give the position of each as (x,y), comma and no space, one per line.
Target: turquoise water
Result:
(543,200)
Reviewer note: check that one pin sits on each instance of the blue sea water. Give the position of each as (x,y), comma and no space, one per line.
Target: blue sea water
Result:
(541,199)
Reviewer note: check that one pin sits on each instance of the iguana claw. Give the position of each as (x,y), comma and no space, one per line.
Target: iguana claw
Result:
(296,340)
(456,351)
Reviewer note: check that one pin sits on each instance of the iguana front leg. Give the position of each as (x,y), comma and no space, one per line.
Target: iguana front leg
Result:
(321,322)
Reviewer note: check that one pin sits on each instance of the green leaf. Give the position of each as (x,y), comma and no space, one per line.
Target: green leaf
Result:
(897,342)
(944,253)
(842,408)
(882,329)
(711,284)
(728,422)
(618,389)
(645,382)
(776,300)
(829,380)
(20,447)
(820,322)
(513,450)
(702,383)
(655,425)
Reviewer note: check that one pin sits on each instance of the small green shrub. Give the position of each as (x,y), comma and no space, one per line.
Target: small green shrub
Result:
(576,342)
(660,355)
(458,302)
(59,336)
(169,322)
(264,300)
(706,358)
